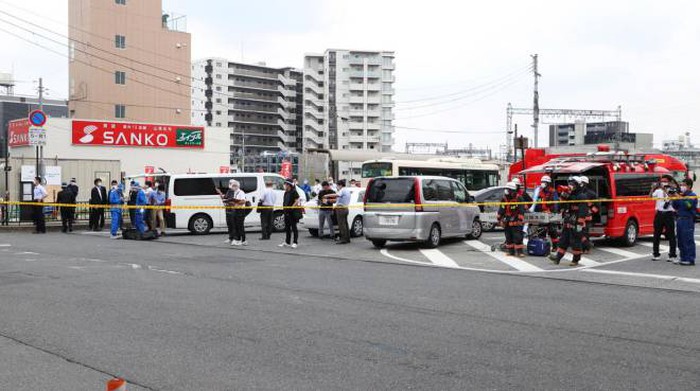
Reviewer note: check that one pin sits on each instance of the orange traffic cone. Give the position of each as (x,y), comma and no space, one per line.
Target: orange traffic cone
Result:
(116,385)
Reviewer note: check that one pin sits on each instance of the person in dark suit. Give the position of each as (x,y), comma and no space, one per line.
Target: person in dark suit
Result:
(98,196)
(73,186)
(66,196)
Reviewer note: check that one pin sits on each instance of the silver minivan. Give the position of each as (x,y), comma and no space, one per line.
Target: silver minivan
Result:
(419,208)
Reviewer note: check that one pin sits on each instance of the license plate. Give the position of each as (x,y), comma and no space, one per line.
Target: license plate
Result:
(388,220)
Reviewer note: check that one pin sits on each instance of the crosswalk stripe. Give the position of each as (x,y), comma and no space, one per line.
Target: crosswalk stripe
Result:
(513,262)
(437,257)
(621,252)
(5,245)
(662,247)
(632,274)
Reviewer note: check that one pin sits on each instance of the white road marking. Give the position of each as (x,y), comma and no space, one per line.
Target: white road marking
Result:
(621,252)
(584,261)
(5,245)
(163,270)
(27,253)
(646,275)
(662,247)
(133,265)
(515,263)
(439,258)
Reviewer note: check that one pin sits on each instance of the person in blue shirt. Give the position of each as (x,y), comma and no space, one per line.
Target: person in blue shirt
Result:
(116,200)
(306,187)
(686,204)
(141,201)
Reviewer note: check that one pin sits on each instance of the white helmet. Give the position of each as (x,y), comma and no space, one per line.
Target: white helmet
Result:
(511,186)
(546,179)
(516,181)
(584,179)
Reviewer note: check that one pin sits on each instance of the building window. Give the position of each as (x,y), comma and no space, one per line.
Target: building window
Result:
(120,41)
(218,76)
(120,2)
(120,77)
(119,111)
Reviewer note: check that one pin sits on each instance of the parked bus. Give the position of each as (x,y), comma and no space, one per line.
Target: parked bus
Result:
(624,179)
(472,173)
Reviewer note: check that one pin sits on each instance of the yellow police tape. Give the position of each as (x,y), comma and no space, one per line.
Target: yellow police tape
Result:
(368,206)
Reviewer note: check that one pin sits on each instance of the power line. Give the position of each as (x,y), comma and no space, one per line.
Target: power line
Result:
(508,81)
(494,81)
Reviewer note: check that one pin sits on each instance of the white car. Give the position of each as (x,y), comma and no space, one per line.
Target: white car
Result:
(355,215)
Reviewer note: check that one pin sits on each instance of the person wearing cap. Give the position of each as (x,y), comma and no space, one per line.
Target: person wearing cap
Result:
(66,197)
(235,201)
(546,201)
(593,210)
(664,221)
(511,215)
(292,214)
(686,204)
(39,195)
(131,202)
(140,202)
(268,199)
(341,211)
(574,220)
(116,200)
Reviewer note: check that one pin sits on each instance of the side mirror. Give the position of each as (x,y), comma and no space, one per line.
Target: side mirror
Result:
(471,199)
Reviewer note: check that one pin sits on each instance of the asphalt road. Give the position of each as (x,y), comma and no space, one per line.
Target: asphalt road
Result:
(174,315)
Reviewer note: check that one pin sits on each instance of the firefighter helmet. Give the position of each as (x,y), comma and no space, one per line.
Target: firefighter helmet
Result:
(584,179)
(546,179)
(511,186)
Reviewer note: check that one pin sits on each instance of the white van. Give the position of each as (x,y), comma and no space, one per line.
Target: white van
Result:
(190,195)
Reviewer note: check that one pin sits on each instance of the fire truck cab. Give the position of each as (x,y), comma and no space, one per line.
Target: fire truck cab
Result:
(622,183)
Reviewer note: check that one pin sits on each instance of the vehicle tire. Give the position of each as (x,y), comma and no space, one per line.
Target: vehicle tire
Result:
(313,232)
(433,237)
(477,230)
(278,221)
(357,227)
(379,243)
(631,234)
(487,227)
(200,224)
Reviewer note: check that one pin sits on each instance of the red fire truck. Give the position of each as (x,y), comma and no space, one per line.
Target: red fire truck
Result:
(538,156)
(620,179)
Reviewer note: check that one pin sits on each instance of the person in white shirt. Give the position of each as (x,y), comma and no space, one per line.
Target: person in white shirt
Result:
(40,195)
(267,203)
(317,187)
(664,221)
(236,213)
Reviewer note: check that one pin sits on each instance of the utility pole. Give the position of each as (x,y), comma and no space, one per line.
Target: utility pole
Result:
(535,101)
(39,170)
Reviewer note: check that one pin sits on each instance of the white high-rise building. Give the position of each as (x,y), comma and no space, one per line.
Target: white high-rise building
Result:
(348,103)
(261,105)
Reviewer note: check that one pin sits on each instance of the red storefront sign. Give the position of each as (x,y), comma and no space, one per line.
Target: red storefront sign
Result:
(18,132)
(224,169)
(123,134)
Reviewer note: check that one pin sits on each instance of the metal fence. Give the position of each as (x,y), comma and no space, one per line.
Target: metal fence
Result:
(12,214)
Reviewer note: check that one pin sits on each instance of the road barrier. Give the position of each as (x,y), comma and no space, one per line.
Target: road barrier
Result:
(368,206)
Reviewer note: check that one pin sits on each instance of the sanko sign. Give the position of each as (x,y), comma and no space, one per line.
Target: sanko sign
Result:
(123,134)
(19,132)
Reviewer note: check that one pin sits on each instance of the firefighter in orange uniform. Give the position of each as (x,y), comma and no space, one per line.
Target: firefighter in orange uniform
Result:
(574,222)
(512,218)
(548,195)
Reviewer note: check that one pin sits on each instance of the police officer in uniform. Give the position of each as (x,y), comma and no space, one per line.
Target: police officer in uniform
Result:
(686,205)
(548,195)
(574,221)
(511,215)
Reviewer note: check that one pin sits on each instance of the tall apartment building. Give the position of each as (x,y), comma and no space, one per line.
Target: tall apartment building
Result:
(348,102)
(261,105)
(128,61)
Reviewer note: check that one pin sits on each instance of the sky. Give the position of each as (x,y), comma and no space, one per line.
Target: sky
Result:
(458,62)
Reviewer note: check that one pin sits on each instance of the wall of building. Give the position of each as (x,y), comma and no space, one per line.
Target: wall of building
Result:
(132,159)
(156,61)
(15,107)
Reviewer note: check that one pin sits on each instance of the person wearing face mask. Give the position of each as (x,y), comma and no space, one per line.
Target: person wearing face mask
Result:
(686,205)
(663,221)
(98,196)
(511,215)
(116,200)
(235,201)
(574,220)
(546,198)
(139,212)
